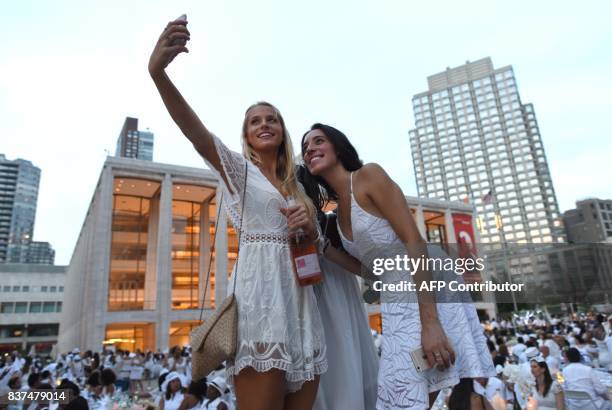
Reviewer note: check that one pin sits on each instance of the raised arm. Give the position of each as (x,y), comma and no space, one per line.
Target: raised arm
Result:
(168,46)
(389,200)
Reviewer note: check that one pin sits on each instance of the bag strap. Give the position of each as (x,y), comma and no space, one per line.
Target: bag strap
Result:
(212,249)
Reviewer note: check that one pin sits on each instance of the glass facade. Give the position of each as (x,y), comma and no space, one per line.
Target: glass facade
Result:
(130,336)
(130,226)
(161,230)
(435,227)
(186,223)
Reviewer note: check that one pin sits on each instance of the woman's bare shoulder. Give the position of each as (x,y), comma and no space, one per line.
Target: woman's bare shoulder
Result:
(372,172)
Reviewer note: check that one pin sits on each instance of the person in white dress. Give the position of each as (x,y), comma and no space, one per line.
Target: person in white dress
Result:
(604,347)
(172,391)
(195,396)
(136,372)
(547,393)
(281,346)
(351,379)
(216,396)
(374,220)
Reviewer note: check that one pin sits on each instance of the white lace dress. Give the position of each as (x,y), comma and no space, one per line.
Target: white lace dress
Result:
(279,325)
(400,386)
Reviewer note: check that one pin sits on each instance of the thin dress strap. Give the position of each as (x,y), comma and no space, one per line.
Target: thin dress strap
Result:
(351,183)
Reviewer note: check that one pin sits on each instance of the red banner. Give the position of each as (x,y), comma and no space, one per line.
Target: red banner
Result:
(466,243)
(464,231)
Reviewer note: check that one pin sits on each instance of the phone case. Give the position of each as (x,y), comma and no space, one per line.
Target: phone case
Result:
(420,361)
(180,42)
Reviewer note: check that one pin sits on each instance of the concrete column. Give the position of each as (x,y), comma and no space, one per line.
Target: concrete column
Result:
(450,227)
(150,287)
(221,255)
(205,259)
(420,221)
(98,270)
(164,265)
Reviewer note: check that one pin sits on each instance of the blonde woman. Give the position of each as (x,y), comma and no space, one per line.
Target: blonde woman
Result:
(281,348)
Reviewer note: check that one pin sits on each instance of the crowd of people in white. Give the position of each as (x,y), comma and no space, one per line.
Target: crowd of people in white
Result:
(555,363)
(116,380)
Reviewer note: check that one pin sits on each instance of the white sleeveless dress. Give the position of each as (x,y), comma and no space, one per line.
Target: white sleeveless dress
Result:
(548,402)
(350,381)
(279,325)
(400,386)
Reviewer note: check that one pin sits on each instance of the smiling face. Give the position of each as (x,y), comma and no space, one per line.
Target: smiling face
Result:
(263,129)
(318,152)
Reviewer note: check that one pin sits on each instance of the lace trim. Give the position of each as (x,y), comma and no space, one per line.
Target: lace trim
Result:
(276,238)
(295,379)
(233,166)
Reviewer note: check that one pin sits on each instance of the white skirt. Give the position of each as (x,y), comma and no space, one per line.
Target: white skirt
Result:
(351,378)
(399,384)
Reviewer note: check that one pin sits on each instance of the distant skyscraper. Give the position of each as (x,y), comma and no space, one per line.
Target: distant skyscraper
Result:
(40,253)
(476,141)
(19,181)
(590,222)
(133,143)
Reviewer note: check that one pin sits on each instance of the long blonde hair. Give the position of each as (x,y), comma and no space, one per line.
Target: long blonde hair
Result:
(285,166)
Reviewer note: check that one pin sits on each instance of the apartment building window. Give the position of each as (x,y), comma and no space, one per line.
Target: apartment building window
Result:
(21,307)
(7,307)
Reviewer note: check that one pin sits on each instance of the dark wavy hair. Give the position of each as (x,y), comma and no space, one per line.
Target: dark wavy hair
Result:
(547,377)
(460,398)
(316,187)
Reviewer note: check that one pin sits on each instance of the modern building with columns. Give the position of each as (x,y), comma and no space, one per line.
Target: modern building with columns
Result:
(136,276)
(138,269)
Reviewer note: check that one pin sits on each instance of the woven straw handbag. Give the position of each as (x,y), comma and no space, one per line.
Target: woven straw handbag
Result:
(214,341)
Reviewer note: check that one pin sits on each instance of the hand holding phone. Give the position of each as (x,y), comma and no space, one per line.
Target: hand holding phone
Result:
(419,359)
(180,41)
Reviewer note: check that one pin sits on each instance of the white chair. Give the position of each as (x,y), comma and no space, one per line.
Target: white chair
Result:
(583,398)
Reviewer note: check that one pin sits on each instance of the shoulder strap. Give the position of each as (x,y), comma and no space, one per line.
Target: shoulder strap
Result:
(212,248)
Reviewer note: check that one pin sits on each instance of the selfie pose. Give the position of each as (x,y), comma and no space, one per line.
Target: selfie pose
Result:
(373,216)
(280,347)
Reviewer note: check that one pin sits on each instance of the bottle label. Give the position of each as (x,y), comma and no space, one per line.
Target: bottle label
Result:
(307,265)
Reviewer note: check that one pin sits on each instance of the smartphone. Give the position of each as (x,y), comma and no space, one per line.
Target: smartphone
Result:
(419,359)
(180,42)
